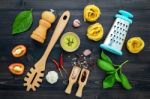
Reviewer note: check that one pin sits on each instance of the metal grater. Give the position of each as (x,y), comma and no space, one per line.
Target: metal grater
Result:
(117,34)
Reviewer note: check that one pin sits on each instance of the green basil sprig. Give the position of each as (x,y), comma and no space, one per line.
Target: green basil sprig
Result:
(105,65)
(23,22)
(113,74)
(125,82)
(109,81)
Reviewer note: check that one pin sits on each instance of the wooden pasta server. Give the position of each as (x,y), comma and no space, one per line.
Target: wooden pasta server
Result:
(36,73)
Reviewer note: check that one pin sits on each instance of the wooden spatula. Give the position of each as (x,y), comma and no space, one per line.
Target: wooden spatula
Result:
(82,81)
(34,77)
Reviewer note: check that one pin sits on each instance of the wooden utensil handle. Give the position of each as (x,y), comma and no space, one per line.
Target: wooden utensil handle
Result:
(79,91)
(69,87)
(57,32)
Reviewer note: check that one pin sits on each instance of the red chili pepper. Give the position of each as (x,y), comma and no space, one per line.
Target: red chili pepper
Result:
(56,63)
(61,61)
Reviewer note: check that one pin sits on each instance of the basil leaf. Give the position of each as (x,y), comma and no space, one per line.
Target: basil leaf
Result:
(105,66)
(125,82)
(111,72)
(23,22)
(117,77)
(106,58)
(109,81)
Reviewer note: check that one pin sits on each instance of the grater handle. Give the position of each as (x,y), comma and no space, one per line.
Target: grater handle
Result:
(125,13)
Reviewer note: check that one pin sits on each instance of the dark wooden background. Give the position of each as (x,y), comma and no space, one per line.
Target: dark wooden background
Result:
(137,70)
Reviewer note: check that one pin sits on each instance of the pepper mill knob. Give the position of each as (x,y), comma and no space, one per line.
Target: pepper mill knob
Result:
(39,34)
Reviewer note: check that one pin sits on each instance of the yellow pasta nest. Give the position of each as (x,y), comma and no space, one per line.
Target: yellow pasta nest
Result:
(91,13)
(135,44)
(95,32)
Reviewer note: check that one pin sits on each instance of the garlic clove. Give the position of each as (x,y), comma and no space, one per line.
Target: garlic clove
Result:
(76,23)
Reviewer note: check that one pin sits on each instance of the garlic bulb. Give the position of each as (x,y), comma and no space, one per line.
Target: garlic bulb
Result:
(52,77)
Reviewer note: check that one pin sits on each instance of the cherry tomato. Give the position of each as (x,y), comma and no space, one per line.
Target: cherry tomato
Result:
(16,68)
(19,51)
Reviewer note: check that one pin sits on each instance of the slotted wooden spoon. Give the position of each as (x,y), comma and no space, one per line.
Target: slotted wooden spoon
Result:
(36,73)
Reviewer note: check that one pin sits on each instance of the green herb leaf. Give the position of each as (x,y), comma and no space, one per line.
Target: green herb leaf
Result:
(111,72)
(105,66)
(109,81)
(125,82)
(22,22)
(106,58)
(117,77)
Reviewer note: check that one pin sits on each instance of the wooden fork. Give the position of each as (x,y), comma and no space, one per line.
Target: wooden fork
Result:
(34,77)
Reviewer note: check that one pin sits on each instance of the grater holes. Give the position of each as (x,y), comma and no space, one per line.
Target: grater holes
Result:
(117,27)
(125,28)
(119,43)
(120,23)
(111,40)
(111,35)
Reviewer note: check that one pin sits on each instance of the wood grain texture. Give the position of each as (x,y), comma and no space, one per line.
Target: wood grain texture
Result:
(137,69)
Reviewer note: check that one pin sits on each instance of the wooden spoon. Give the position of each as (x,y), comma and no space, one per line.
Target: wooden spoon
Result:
(73,78)
(82,81)
(34,77)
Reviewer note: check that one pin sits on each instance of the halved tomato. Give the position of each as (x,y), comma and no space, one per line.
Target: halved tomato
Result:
(19,51)
(16,68)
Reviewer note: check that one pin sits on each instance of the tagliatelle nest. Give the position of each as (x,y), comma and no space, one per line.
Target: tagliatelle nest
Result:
(95,32)
(135,44)
(91,13)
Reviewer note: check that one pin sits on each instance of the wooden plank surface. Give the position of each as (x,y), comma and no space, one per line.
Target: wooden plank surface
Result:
(137,69)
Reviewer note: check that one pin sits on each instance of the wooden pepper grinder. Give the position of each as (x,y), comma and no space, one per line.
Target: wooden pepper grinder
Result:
(39,34)
(82,81)
(73,78)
